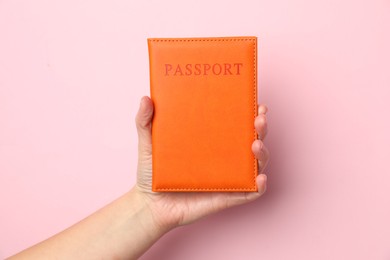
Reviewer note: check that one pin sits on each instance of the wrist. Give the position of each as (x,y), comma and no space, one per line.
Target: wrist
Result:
(153,222)
(163,215)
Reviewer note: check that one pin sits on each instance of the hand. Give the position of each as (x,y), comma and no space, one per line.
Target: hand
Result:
(175,209)
(127,227)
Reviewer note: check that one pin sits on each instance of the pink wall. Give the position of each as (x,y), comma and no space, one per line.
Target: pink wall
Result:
(71,77)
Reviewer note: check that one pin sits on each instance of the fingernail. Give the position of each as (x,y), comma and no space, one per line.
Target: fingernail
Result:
(263,118)
(265,182)
(263,110)
(260,145)
(266,110)
(142,100)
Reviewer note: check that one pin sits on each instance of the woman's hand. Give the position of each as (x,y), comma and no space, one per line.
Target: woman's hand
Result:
(128,226)
(174,209)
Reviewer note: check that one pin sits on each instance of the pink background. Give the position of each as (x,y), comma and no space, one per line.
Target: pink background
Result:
(71,77)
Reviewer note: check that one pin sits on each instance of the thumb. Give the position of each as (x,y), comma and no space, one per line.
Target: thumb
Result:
(143,122)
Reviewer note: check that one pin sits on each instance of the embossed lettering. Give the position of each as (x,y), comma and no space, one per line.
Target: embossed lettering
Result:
(238,67)
(205,69)
(178,70)
(168,67)
(219,69)
(197,69)
(227,68)
(188,69)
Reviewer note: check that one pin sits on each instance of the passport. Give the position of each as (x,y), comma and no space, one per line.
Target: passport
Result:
(204,91)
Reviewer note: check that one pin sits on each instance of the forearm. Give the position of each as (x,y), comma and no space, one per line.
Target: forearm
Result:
(124,229)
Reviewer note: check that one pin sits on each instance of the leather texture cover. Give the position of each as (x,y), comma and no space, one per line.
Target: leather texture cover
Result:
(204,92)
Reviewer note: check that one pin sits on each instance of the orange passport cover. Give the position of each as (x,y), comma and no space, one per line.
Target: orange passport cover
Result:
(204,92)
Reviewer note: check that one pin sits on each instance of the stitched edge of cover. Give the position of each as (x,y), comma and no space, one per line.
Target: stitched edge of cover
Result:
(254,111)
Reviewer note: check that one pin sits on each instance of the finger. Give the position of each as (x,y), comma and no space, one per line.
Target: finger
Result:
(263,162)
(261,153)
(261,183)
(245,197)
(143,121)
(262,109)
(208,203)
(261,126)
